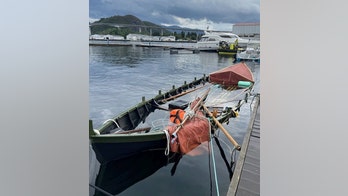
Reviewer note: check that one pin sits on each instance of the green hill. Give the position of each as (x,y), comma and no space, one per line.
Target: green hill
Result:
(128,24)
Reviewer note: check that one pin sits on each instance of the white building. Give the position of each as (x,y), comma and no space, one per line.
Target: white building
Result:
(140,37)
(167,38)
(103,37)
(246,29)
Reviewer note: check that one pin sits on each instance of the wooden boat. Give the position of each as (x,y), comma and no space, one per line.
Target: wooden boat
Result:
(147,125)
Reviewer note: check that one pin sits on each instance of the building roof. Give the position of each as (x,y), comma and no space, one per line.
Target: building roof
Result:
(247,24)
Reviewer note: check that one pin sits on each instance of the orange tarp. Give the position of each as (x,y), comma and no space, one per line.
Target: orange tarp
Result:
(194,132)
(231,75)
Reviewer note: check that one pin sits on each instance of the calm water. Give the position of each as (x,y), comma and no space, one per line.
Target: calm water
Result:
(119,77)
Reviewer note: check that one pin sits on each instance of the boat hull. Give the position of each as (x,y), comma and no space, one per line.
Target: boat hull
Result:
(227,52)
(125,134)
(117,146)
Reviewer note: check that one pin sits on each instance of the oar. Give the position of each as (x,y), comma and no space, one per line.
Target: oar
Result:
(134,130)
(235,144)
(179,95)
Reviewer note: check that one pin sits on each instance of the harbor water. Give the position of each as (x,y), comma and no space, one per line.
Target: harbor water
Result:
(119,76)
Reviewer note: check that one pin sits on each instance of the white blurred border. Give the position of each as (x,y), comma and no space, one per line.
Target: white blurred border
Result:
(303,101)
(44,97)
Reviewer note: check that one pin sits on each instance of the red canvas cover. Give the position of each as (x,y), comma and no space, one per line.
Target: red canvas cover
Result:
(194,132)
(232,74)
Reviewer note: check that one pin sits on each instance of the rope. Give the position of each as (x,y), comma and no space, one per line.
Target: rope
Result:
(232,99)
(112,121)
(189,113)
(214,165)
(101,190)
(166,152)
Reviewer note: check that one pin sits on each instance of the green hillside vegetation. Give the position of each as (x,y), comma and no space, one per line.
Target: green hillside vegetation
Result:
(105,27)
(129,20)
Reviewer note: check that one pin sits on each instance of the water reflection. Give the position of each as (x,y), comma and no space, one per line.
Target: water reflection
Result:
(116,176)
(127,56)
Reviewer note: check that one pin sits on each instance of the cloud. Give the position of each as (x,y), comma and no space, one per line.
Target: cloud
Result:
(203,24)
(188,13)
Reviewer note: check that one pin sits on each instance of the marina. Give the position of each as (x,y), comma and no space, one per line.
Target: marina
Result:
(157,62)
(165,44)
(212,41)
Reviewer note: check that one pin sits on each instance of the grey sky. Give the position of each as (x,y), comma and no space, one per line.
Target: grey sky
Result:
(217,14)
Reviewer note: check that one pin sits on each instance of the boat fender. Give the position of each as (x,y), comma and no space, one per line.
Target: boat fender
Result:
(244,84)
(177,116)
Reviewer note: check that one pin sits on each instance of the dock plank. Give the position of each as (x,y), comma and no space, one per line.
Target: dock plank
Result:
(246,177)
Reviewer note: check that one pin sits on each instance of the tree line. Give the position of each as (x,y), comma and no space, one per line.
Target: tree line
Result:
(124,31)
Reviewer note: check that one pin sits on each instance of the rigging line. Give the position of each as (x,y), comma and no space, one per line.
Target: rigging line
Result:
(214,89)
(233,99)
(100,190)
(222,94)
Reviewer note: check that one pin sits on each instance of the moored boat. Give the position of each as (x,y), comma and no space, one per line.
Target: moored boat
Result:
(252,53)
(211,39)
(148,125)
(229,49)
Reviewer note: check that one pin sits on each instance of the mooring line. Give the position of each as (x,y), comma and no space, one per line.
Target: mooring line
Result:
(101,190)
(214,165)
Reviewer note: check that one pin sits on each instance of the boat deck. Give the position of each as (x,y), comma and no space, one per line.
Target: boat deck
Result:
(246,177)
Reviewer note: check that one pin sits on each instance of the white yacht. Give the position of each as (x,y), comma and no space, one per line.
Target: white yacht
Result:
(210,40)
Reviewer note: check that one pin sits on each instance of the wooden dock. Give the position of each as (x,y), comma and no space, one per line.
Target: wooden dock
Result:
(246,176)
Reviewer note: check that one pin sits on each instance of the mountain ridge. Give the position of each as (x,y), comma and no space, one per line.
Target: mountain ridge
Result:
(139,26)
